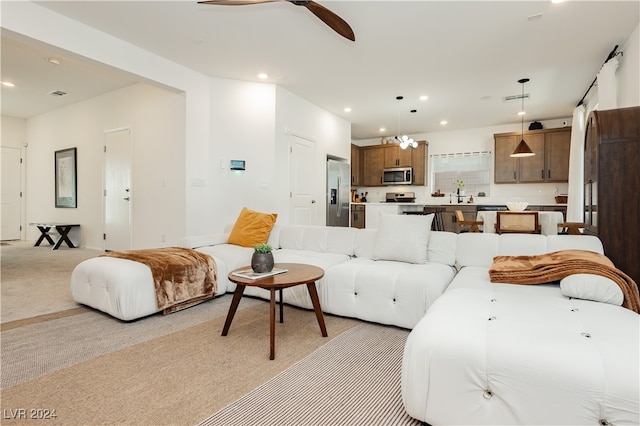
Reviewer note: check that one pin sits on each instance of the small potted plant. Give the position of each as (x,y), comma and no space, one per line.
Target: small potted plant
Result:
(262,259)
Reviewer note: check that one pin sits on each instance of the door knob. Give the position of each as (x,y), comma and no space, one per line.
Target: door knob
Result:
(126,198)
(313,201)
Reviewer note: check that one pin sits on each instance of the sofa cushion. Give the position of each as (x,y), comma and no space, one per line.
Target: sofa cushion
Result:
(322,239)
(479,249)
(403,238)
(386,292)
(252,228)
(592,287)
(442,247)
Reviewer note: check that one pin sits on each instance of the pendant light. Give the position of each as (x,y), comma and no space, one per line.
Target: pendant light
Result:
(522,150)
(404,140)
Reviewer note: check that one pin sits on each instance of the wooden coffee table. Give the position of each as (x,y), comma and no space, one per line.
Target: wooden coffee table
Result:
(297,274)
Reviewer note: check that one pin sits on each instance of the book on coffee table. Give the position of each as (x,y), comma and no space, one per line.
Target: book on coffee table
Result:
(248,273)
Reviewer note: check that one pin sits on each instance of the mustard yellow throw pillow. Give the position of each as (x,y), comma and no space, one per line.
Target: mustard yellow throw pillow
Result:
(252,228)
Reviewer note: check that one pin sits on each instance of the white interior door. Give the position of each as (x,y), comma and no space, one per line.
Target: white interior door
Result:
(10,193)
(117,190)
(302,203)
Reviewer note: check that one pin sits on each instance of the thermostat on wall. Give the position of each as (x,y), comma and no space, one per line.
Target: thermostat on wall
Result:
(237,164)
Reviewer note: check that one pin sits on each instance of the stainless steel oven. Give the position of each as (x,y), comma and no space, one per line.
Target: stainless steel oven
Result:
(397,176)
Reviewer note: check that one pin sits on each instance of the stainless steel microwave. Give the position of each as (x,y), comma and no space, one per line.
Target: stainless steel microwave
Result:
(397,176)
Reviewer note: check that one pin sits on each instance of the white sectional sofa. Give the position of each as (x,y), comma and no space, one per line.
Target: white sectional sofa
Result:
(478,352)
(505,354)
(354,285)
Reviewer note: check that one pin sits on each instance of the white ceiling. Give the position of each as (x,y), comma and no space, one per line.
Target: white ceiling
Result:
(465,55)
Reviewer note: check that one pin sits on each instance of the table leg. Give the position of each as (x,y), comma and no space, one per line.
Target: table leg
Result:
(272,325)
(281,304)
(316,307)
(44,234)
(63,231)
(237,295)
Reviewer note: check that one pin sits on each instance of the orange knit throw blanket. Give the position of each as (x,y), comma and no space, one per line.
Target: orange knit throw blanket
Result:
(182,277)
(548,267)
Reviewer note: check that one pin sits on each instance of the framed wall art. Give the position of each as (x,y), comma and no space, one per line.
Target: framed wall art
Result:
(66,178)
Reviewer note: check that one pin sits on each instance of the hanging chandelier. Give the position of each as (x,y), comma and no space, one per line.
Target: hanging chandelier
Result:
(522,150)
(404,140)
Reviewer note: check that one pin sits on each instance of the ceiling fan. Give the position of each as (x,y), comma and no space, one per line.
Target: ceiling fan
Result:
(328,17)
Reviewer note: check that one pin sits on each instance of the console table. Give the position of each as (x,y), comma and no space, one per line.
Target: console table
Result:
(62,229)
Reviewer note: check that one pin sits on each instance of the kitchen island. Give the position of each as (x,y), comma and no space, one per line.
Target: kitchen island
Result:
(470,211)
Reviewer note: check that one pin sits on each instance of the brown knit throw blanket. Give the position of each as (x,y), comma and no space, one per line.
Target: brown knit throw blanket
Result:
(182,277)
(548,267)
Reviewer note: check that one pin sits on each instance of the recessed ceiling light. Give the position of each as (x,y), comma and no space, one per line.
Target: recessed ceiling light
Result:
(522,113)
(53,61)
(444,122)
(263,76)
(347,109)
(557,1)
(424,97)
(382,129)
(7,84)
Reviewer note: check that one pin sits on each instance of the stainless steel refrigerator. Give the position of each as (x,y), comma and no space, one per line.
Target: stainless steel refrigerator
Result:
(338,190)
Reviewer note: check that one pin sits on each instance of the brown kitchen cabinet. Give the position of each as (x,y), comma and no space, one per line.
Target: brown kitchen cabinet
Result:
(373,159)
(358,216)
(356,167)
(394,156)
(372,165)
(611,182)
(550,164)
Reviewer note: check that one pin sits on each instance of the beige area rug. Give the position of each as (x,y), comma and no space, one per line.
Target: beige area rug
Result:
(36,280)
(353,380)
(93,369)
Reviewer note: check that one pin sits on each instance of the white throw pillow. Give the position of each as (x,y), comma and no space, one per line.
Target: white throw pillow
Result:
(592,287)
(403,238)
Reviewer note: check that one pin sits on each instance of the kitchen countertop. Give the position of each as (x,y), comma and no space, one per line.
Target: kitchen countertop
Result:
(457,204)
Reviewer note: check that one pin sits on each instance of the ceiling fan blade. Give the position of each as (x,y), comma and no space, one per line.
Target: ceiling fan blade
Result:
(236,2)
(331,19)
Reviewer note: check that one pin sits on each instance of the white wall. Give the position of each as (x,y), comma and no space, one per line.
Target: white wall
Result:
(628,73)
(156,118)
(242,128)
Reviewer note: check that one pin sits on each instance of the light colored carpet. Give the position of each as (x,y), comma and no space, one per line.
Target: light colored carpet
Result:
(179,378)
(353,380)
(36,280)
(36,349)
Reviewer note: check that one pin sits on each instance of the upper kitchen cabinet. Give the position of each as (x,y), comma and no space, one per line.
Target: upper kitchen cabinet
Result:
(550,164)
(372,164)
(394,156)
(356,167)
(419,163)
(373,159)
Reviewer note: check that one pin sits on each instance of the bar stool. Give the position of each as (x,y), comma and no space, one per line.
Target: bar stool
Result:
(571,228)
(472,224)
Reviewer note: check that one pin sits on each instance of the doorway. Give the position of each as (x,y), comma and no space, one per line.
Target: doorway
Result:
(302,203)
(117,190)
(10,196)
